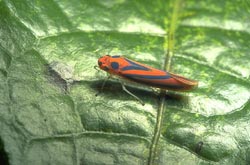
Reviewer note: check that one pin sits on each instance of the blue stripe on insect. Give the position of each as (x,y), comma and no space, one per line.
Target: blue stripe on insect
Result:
(165,85)
(134,66)
(146,76)
(115,56)
(131,67)
(140,79)
(114,65)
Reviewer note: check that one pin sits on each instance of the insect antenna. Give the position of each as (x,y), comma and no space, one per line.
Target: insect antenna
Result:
(97,68)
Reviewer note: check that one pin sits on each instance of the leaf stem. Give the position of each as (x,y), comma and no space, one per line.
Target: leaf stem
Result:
(157,131)
(167,64)
(173,25)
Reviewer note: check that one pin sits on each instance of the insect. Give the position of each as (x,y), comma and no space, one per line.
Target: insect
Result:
(198,147)
(143,74)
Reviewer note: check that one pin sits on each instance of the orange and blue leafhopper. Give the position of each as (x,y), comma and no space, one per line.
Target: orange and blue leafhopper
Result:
(143,74)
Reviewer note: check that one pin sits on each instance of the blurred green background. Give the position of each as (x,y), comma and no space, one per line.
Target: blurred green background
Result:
(48,110)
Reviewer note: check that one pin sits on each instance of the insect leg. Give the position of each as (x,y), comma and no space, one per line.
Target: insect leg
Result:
(137,98)
(103,84)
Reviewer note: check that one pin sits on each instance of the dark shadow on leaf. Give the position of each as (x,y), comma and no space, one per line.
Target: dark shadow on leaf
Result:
(3,72)
(176,99)
(56,79)
(114,89)
(247,156)
(3,154)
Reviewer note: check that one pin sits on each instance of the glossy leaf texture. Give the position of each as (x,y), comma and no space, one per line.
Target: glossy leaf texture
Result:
(49,113)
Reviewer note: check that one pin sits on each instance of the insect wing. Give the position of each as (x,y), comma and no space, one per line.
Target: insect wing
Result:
(146,75)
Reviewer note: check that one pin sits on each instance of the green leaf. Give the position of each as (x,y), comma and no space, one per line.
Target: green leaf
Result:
(49,113)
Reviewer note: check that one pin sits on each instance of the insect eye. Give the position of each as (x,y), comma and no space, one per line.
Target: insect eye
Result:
(99,63)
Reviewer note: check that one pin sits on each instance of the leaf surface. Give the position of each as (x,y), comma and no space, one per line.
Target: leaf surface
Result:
(48,109)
